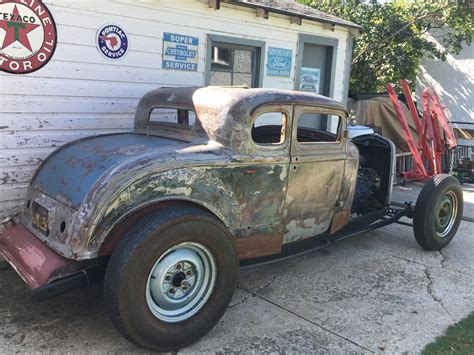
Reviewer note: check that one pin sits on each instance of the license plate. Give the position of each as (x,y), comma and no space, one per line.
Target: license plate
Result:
(40,218)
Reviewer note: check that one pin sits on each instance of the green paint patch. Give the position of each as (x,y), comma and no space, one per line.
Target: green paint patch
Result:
(459,339)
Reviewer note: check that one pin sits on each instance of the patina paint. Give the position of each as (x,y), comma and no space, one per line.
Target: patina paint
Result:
(249,199)
(346,195)
(253,189)
(71,171)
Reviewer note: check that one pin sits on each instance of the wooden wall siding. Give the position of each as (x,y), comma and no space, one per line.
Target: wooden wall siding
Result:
(79,92)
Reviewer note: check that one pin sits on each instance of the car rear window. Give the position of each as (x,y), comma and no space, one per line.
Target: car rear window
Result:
(173,115)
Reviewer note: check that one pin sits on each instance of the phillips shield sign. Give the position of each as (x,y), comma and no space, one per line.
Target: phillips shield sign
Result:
(27,36)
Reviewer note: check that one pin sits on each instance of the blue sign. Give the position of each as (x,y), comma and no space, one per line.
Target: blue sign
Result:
(112,41)
(279,61)
(180,52)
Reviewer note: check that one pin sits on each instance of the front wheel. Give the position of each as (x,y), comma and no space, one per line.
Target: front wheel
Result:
(438,212)
(171,278)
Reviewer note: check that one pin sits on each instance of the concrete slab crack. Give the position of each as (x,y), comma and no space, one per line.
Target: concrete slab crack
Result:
(435,298)
(443,258)
(310,321)
(245,298)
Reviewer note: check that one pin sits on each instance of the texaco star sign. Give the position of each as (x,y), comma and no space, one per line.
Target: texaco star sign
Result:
(27,36)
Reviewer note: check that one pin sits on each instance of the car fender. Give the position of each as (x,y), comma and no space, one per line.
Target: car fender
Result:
(188,184)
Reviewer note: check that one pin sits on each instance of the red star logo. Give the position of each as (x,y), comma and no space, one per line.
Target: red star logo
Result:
(17,30)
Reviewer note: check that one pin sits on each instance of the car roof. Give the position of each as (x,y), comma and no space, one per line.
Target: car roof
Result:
(224,111)
(203,99)
(251,99)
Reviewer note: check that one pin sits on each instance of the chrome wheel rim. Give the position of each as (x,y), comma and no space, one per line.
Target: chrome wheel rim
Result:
(181,282)
(445,214)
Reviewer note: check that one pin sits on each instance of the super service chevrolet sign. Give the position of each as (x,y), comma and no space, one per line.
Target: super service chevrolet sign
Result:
(180,52)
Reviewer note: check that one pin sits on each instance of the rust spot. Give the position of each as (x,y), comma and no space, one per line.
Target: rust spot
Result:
(339,220)
(259,245)
(89,166)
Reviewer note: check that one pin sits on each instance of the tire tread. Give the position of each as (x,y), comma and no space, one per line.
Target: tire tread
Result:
(128,246)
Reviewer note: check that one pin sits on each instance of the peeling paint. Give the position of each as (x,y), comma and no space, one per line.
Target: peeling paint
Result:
(214,164)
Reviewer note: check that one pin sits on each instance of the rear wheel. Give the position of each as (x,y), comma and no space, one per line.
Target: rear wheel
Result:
(438,212)
(171,278)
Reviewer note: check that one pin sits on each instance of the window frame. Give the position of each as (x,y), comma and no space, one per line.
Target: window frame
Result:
(287,110)
(237,43)
(299,110)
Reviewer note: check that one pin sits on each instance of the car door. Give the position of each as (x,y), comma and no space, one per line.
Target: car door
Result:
(260,179)
(317,154)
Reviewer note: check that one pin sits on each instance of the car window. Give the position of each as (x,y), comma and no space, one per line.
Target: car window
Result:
(269,128)
(318,127)
(172,115)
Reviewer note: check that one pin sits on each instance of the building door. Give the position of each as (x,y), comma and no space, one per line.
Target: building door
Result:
(314,69)
(317,59)
(234,62)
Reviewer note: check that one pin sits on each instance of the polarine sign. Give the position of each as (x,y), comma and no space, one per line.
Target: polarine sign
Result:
(180,52)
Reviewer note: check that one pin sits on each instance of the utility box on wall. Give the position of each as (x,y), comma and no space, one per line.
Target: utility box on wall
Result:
(75,69)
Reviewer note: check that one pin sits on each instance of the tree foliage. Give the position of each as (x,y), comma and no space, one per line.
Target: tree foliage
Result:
(397,34)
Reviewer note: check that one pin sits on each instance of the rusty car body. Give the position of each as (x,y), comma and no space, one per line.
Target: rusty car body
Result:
(273,187)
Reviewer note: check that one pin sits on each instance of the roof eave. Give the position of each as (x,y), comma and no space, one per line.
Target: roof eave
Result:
(352,26)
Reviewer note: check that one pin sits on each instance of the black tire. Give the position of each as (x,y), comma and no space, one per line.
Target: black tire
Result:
(126,286)
(433,230)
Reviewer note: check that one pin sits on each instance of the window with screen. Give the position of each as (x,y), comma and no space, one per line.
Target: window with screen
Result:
(173,115)
(269,128)
(317,127)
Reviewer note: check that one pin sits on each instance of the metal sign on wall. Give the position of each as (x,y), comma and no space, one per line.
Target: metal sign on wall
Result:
(112,41)
(180,52)
(279,61)
(309,79)
(29,38)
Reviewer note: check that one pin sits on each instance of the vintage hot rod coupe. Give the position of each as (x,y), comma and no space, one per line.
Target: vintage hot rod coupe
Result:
(211,178)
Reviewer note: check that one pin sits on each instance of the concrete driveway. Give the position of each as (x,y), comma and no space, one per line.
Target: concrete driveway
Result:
(379,292)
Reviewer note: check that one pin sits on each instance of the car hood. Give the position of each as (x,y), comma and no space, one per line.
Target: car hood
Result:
(68,174)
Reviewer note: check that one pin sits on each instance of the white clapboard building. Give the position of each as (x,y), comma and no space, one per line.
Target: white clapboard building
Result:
(92,82)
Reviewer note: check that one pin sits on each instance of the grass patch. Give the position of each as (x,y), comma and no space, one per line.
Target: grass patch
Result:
(459,339)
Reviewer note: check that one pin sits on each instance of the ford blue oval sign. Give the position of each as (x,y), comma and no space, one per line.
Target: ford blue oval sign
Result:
(112,41)
(279,61)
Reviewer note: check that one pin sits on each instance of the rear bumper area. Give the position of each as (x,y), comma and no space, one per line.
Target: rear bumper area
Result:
(40,267)
(31,258)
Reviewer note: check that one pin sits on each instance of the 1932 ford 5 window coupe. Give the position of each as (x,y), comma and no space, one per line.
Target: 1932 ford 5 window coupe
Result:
(209,178)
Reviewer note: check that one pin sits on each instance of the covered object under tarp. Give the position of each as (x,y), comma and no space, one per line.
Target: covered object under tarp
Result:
(378,113)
